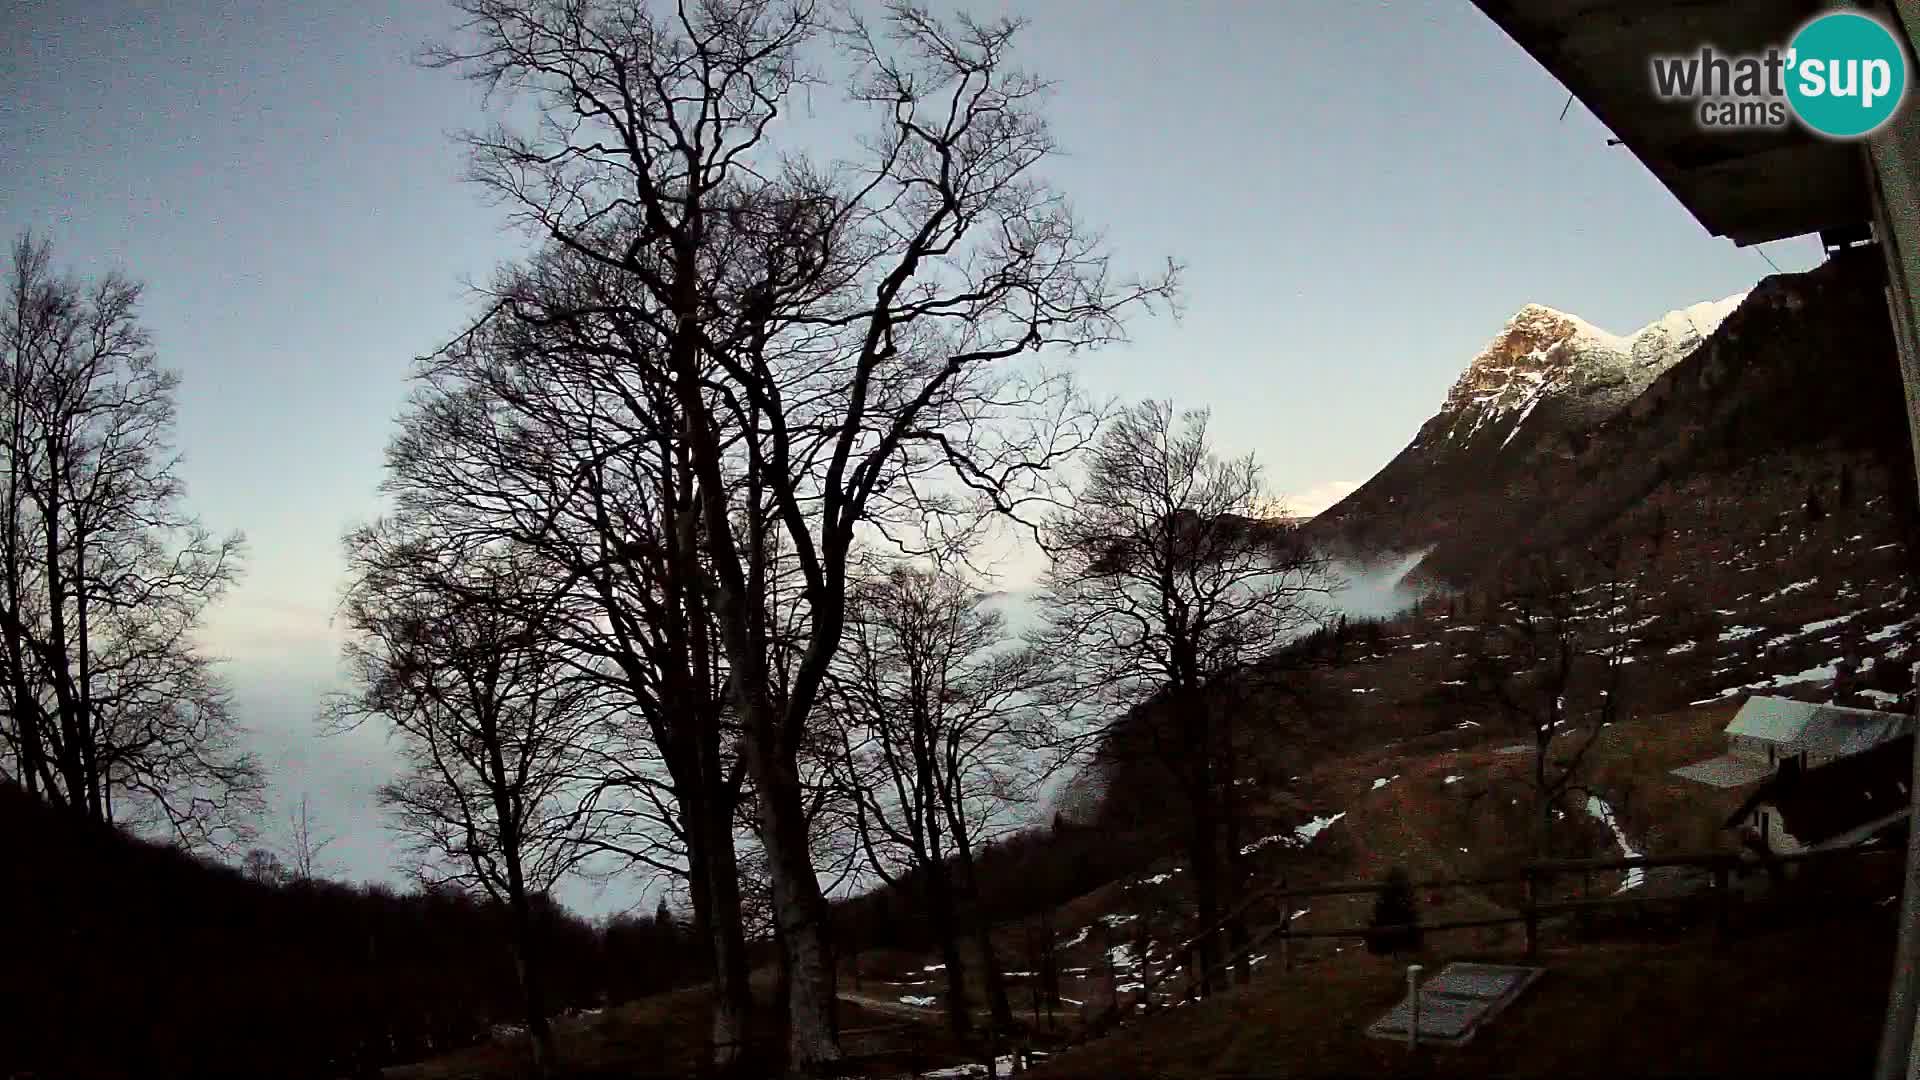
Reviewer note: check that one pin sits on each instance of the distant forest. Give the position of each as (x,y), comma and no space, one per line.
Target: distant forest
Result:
(150,962)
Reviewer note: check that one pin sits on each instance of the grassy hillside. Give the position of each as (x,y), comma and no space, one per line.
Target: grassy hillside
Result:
(1804,1000)
(1444,812)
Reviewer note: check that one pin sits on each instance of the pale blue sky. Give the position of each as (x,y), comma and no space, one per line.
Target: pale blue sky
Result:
(1362,192)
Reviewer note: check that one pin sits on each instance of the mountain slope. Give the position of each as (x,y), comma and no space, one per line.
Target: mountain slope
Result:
(1558,428)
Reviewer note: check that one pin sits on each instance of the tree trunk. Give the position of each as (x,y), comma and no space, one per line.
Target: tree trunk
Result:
(940,903)
(1203,852)
(1237,937)
(782,973)
(939,886)
(83,644)
(708,797)
(26,720)
(732,997)
(813,1037)
(1049,961)
(533,991)
(850,951)
(813,1034)
(699,875)
(71,766)
(714,883)
(1233,863)
(1206,889)
(997,1003)
(1203,840)
(976,919)
(1543,835)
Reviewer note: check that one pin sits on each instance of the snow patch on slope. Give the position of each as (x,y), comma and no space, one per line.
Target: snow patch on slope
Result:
(1598,808)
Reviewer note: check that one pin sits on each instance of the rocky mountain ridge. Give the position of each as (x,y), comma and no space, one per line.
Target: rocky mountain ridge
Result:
(1558,429)
(1542,354)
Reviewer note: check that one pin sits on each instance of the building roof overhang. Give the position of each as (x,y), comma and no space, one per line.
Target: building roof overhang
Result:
(1751,186)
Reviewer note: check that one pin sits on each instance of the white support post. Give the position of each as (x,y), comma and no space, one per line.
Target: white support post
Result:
(1413,1005)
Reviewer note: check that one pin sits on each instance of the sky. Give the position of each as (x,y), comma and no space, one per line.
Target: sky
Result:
(1361,193)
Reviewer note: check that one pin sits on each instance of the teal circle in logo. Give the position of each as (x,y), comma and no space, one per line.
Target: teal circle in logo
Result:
(1846,75)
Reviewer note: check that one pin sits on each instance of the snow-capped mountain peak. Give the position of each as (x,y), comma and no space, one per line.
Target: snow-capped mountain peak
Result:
(1542,353)
(1539,319)
(1561,432)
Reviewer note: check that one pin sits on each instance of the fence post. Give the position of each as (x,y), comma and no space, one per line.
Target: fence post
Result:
(1721,902)
(1533,916)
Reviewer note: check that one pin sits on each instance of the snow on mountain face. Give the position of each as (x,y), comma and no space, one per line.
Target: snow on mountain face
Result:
(1667,340)
(1542,353)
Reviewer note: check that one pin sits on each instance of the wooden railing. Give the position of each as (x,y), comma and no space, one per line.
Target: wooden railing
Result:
(1724,867)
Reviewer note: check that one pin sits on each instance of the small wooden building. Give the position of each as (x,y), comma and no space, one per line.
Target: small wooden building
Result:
(1839,803)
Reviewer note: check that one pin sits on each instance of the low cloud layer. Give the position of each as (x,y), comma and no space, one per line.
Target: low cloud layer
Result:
(282,670)
(1314,500)
(1376,589)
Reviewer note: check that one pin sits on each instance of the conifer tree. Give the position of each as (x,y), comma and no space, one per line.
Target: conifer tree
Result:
(1394,927)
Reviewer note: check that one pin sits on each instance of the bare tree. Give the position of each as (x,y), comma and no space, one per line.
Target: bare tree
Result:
(265,867)
(306,844)
(933,704)
(111,707)
(489,722)
(527,431)
(1550,660)
(836,339)
(1171,578)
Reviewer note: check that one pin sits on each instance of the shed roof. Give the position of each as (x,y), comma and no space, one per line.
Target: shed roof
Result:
(1750,186)
(1841,732)
(1773,719)
(1823,729)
